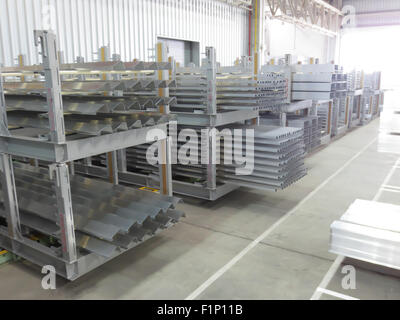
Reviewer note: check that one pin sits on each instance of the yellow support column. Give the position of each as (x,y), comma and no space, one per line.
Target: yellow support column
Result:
(164,148)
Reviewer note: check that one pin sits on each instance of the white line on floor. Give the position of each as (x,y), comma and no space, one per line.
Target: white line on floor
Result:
(391,190)
(385,182)
(338,261)
(391,187)
(336,294)
(267,232)
(327,278)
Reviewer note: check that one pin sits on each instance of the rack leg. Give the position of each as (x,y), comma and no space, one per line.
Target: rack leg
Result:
(283,120)
(212,164)
(66,217)
(121,159)
(164,151)
(10,196)
(112,166)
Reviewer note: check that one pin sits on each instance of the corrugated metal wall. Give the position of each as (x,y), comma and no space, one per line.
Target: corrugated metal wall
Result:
(372,13)
(130,27)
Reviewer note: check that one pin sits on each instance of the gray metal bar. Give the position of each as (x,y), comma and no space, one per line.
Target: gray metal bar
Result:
(121,160)
(10,196)
(51,67)
(65,213)
(3,110)
(165,172)
(211,73)
(212,159)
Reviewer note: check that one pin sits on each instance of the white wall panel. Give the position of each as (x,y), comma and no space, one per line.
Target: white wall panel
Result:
(370,13)
(300,42)
(130,27)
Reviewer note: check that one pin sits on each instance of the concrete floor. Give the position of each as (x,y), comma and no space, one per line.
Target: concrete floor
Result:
(288,264)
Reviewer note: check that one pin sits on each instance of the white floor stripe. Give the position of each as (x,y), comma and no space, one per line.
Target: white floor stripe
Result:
(391,187)
(327,278)
(336,264)
(336,294)
(385,182)
(390,190)
(267,232)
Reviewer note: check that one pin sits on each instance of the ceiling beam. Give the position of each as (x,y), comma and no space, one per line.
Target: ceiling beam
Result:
(316,14)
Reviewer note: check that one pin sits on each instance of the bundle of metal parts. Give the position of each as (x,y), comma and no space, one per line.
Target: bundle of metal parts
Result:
(324,112)
(93,111)
(355,80)
(318,82)
(310,125)
(107,218)
(369,231)
(373,97)
(236,89)
(277,159)
(213,97)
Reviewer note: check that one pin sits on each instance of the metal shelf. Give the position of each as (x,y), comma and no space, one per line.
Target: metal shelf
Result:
(92,221)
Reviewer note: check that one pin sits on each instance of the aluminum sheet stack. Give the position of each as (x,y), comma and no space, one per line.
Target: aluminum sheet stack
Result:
(368,231)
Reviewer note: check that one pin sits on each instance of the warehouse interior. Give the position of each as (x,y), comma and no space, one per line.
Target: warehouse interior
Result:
(199,150)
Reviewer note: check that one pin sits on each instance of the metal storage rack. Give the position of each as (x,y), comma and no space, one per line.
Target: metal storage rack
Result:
(89,222)
(210,98)
(324,112)
(372,97)
(354,97)
(199,107)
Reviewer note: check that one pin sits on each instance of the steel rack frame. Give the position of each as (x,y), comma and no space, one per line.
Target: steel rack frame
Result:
(68,263)
(210,119)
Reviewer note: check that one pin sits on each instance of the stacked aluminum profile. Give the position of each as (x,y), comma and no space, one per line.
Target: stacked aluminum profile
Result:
(107,218)
(372,80)
(318,82)
(311,128)
(354,80)
(368,231)
(278,158)
(85,222)
(266,93)
(236,89)
(310,125)
(324,113)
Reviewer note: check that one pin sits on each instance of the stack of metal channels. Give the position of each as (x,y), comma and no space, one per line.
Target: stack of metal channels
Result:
(278,158)
(107,217)
(235,91)
(265,93)
(312,130)
(310,125)
(325,119)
